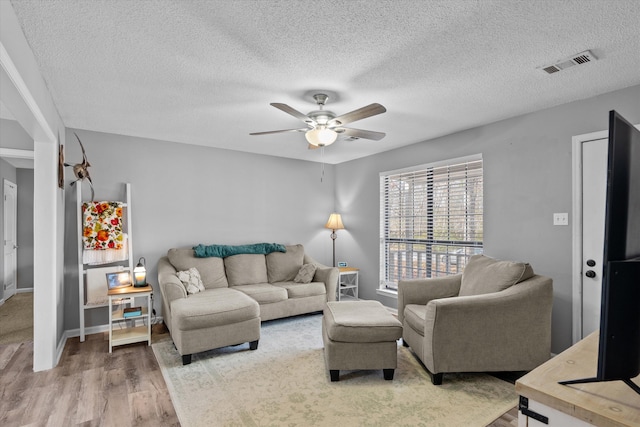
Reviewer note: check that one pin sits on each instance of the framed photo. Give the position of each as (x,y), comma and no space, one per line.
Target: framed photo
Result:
(343,264)
(120,279)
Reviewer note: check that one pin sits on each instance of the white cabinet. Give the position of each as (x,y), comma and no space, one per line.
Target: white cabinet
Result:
(348,283)
(125,329)
(538,415)
(544,402)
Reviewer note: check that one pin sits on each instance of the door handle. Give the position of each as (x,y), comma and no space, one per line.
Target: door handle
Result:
(590,274)
(591,263)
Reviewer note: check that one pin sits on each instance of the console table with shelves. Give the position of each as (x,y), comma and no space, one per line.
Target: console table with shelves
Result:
(127,330)
(348,283)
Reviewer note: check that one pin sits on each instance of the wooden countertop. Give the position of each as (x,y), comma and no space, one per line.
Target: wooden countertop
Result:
(611,403)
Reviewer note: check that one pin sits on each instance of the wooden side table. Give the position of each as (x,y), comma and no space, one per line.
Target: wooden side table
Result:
(127,332)
(348,283)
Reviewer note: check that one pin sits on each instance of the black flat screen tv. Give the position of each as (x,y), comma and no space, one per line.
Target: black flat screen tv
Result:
(619,340)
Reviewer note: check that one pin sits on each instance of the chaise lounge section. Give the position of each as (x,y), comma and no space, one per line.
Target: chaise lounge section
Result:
(238,292)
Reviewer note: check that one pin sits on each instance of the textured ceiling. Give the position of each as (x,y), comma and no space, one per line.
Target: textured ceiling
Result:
(204,72)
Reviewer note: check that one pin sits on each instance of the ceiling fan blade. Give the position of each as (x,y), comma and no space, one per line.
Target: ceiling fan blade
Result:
(359,133)
(359,114)
(295,113)
(279,131)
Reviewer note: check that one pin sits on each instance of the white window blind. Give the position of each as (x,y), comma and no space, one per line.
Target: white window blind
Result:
(431,220)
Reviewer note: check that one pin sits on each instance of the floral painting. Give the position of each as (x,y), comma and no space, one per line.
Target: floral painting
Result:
(102,225)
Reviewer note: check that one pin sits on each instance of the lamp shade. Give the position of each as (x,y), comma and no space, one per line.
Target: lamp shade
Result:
(335,222)
(321,136)
(140,273)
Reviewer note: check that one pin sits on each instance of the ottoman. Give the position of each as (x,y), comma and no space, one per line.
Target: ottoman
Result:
(360,335)
(214,318)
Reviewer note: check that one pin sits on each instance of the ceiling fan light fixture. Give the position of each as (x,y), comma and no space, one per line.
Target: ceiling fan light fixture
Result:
(321,136)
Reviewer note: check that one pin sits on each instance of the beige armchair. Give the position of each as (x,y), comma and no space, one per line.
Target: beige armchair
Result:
(495,316)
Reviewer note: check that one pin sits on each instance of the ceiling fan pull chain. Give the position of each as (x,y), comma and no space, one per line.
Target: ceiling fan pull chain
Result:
(322,161)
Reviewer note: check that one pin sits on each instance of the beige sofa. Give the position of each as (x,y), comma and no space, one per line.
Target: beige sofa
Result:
(239,292)
(495,316)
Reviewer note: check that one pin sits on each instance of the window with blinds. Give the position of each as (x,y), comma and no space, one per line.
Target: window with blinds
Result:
(431,220)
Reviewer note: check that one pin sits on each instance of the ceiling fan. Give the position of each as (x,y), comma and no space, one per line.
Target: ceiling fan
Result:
(323,126)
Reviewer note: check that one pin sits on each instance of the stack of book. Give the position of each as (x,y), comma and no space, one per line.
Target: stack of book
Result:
(132,312)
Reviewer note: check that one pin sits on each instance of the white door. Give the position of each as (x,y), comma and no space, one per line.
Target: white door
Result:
(594,194)
(10,242)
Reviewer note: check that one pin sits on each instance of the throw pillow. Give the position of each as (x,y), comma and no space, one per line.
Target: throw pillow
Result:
(191,280)
(483,275)
(305,274)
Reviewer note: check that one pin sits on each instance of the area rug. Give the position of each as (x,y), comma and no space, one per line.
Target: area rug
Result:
(284,383)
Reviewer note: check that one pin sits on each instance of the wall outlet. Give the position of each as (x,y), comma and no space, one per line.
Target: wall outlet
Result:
(561,219)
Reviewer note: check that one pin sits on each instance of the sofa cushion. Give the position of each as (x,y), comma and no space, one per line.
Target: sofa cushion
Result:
(191,280)
(211,269)
(483,275)
(360,321)
(245,269)
(283,267)
(213,307)
(302,290)
(305,274)
(414,316)
(264,293)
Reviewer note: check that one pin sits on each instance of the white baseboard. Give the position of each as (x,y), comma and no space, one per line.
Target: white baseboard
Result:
(70,333)
(60,347)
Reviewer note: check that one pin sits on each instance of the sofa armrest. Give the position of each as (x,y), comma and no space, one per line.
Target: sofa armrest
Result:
(327,275)
(171,287)
(421,291)
(506,330)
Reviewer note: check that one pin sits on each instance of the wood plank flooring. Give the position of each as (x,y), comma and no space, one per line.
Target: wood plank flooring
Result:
(91,387)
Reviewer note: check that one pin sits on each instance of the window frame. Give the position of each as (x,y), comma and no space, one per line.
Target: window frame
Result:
(467,248)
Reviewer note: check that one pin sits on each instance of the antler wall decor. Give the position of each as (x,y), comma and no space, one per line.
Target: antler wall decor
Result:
(81,170)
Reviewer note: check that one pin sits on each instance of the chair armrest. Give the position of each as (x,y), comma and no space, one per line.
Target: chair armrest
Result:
(421,291)
(171,287)
(327,275)
(506,330)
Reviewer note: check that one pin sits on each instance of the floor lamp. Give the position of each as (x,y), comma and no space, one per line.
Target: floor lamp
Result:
(334,223)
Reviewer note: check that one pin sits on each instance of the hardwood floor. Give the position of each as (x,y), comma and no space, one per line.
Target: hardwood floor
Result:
(91,387)
(88,387)
(508,419)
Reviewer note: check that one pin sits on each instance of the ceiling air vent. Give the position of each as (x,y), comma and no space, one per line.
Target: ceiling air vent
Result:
(577,59)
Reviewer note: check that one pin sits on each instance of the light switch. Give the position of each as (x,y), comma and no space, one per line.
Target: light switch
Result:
(561,219)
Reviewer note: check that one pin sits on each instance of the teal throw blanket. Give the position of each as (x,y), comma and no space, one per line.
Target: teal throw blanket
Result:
(222,251)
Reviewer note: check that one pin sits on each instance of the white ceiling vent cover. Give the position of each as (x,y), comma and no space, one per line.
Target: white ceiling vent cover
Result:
(577,59)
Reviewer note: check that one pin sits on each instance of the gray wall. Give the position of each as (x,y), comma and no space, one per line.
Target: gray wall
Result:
(7,171)
(183,195)
(527,177)
(25,228)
